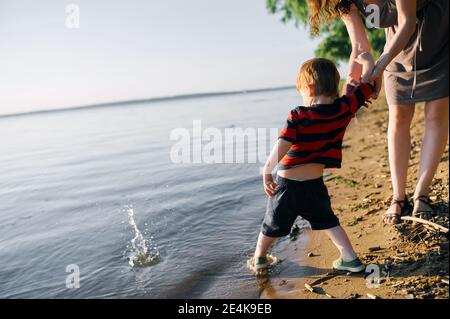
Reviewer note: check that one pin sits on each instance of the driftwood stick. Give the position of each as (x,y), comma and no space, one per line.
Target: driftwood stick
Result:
(429,227)
(426,222)
(307,286)
(415,231)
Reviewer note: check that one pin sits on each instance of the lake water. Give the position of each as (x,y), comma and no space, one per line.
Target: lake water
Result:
(68,180)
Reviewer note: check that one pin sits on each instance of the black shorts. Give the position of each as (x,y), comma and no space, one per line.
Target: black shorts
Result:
(308,199)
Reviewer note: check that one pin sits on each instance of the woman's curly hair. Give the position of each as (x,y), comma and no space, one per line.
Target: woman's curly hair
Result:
(322,12)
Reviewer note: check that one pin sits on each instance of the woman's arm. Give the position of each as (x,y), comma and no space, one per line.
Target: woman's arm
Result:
(406,13)
(360,45)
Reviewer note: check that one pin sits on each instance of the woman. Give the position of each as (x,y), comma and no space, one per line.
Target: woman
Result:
(414,65)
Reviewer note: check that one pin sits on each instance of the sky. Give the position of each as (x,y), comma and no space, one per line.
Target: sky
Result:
(135,49)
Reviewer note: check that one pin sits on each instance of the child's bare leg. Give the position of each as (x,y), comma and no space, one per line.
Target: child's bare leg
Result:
(341,241)
(263,245)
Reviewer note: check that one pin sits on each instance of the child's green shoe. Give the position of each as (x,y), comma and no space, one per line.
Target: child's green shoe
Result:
(261,265)
(354,266)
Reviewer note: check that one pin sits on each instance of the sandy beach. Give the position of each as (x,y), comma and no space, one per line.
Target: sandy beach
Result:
(412,259)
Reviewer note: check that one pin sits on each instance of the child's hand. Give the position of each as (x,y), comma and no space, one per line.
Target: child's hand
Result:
(269,184)
(349,86)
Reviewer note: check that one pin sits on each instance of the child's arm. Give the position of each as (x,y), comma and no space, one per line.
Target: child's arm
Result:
(279,150)
(359,98)
(287,137)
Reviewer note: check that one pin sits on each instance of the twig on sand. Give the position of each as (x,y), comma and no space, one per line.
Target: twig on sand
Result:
(307,286)
(429,227)
(399,283)
(320,292)
(400,258)
(372,296)
(426,222)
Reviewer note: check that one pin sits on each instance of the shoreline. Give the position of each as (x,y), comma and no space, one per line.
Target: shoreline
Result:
(361,192)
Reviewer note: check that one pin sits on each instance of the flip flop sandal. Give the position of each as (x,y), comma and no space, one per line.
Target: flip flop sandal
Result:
(405,207)
(424,213)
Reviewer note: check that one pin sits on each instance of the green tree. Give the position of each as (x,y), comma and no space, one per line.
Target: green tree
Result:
(335,44)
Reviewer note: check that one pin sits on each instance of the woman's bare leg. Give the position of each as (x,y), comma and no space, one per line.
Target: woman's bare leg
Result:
(399,145)
(434,142)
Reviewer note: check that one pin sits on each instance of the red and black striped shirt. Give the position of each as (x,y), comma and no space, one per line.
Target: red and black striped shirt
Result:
(316,132)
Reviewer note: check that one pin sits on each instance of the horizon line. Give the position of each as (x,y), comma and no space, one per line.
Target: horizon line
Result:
(147,100)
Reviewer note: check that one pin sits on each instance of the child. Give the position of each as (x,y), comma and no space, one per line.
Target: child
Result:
(310,142)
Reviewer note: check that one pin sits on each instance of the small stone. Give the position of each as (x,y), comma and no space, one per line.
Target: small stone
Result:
(311,255)
(282,282)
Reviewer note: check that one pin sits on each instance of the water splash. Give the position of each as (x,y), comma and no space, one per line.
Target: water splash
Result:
(144,253)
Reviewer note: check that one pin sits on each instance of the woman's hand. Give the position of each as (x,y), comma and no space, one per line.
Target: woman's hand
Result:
(269,184)
(368,65)
(377,74)
(363,65)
